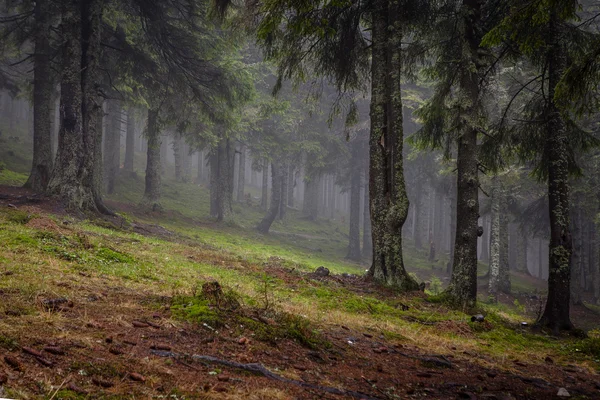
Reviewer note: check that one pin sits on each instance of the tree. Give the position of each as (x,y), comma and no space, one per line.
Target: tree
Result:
(542,32)
(43,86)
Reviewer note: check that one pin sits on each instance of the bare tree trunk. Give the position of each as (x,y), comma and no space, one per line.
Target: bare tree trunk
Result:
(265,186)
(214,182)
(112,145)
(152,190)
(225,155)
(311,198)
(129,142)
(164,147)
(277,181)
(291,185)
(199,176)
(42,101)
(284,190)
(354,219)
(178,156)
(241,183)
(577,257)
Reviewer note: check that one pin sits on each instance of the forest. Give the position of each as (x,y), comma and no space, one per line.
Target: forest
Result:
(289,199)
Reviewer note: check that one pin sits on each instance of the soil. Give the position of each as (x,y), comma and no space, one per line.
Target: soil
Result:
(113,340)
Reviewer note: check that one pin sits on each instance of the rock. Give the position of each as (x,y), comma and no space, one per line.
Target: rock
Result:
(223,378)
(243,341)
(477,318)
(492,374)
(321,271)
(562,392)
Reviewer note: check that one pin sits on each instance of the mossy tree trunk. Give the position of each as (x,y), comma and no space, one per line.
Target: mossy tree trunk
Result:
(43,88)
(73,178)
(494,270)
(388,199)
(556,152)
(153,163)
(463,285)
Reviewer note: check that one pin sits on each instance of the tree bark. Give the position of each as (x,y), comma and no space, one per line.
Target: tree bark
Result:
(284,189)
(354,219)
(214,182)
(264,200)
(152,190)
(556,150)
(178,156)
(577,256)
(463,284)
(388,199)
(43,88)
(112,145)
(367,250)
(241,183)
(277,183)
(225,159)
(73,178)
(129,142)
(494,271)
(291,185)
(504,274)
(311,198)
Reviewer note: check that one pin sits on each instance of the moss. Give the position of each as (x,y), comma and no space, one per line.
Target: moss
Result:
(197,310)
(66,394)
(105,254)
(20,217)
(8,343)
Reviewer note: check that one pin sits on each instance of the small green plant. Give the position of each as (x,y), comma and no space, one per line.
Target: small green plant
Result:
(435,286)
(520,307)
(111,256)
(20,217)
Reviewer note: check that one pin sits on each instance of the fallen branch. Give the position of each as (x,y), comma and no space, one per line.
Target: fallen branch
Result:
(259,369)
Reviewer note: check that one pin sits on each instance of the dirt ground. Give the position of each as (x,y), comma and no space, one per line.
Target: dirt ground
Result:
(115,341)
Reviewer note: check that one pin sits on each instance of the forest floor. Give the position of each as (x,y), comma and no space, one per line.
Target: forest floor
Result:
(128,307)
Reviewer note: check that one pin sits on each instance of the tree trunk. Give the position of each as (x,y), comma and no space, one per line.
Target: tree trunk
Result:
(354,219)
(178,156)
(389,202)
(418,220)
(485,242)
(186,165)
(284,190)
(291,185)
(556,150)
(152,191)
(164,148)
(577,256)
(214,182)
(72,178)
(264,200)
(200,173)
(241,183)
(504,275)
(129,142)
(494,271)
(42,101)
(367,250)
(112,145)
(311,198)
(225,160)
(463,284)
(277,183)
